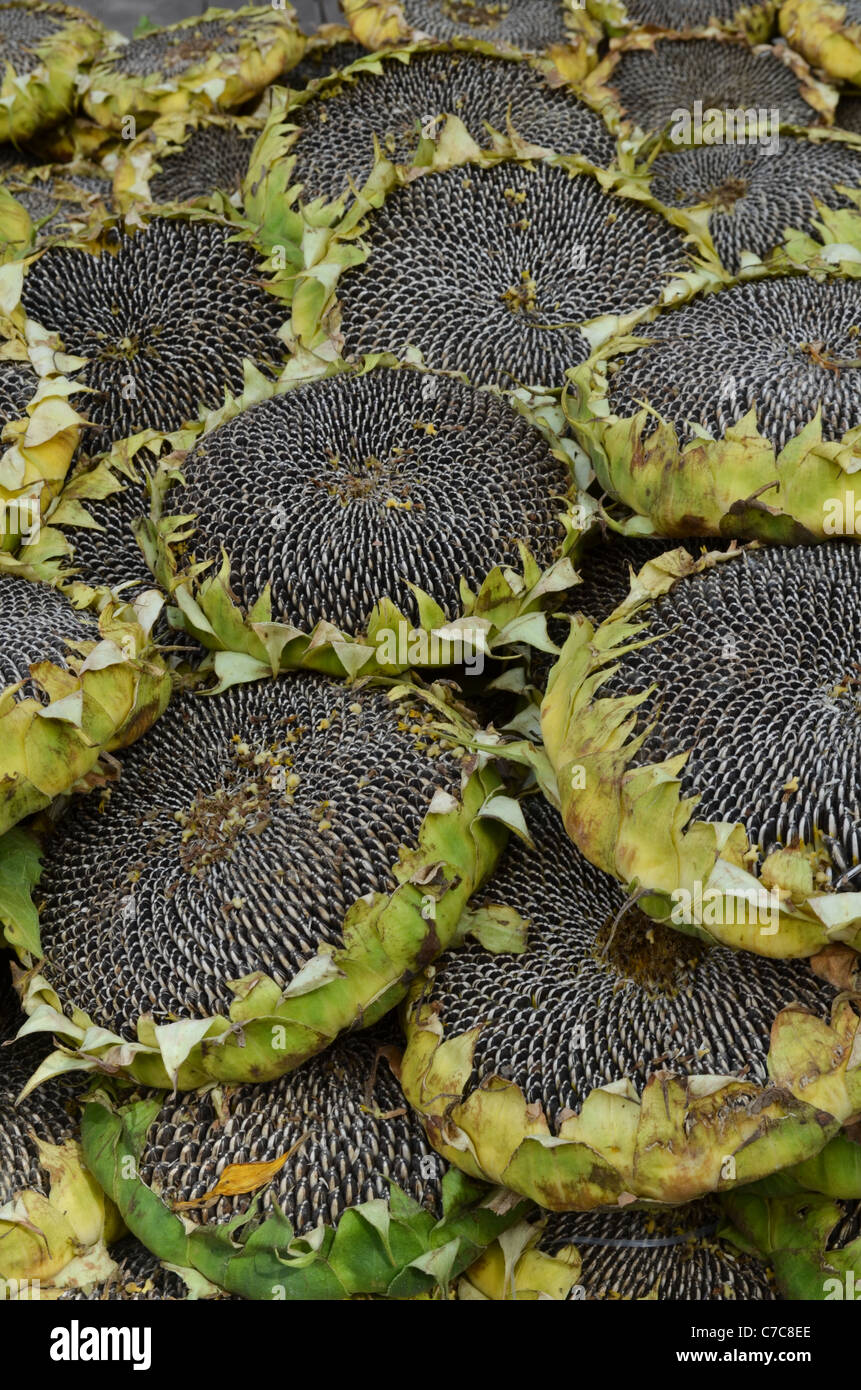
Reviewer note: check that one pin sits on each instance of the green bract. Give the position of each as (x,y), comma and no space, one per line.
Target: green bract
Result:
(792,1219)
(393,1249)
(54,1228)
(41,425)
(633,822)
(670,1143)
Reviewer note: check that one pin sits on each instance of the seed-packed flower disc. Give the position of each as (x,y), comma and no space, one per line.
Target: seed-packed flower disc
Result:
(614,1056)
(827,33)
(755,19)
(165,323)
(499,272)
(340,120)
(53,1214)
(87,685)
(107,554)
(747,196)
(55,197)
(670,1256)
(742,411)
(185,158)
(217,60)
(39,622)
(803,360)
(248,861)
(649,84)
(344,493)
(329,49)
(42,48)
(560,29)
(756,720)
(341,1157)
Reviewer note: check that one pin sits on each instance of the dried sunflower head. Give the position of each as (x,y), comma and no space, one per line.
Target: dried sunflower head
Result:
(754,18)
(742,433)
(560,29)
(282,802)
(191,157)
(217,60)
(730,741)
(706,90)
(165,320)
(42,49)
(612,1058)
(506,271)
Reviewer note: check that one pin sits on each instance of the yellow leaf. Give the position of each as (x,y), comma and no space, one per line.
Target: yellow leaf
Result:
(238,1178)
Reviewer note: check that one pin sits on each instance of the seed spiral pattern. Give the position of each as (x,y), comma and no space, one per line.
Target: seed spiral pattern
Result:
(43,199)
(34,621)
(760,704)
(653,86)
(491,271)
(18,385)
(21,29)
(668,14)
(530,25)
(323,59)
(173,52)
(241,830)
(342,493)
(755,193)
(166,323)
(337,140)
(347,1101)
(679,1257)
(110,556)
(786,346)
(47,1114)
(565,1017)
(213,157)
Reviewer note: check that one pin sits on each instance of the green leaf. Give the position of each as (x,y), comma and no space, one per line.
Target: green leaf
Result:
(500,929)
(20,871)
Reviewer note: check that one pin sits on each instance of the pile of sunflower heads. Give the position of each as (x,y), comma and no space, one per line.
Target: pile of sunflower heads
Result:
(430,808)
